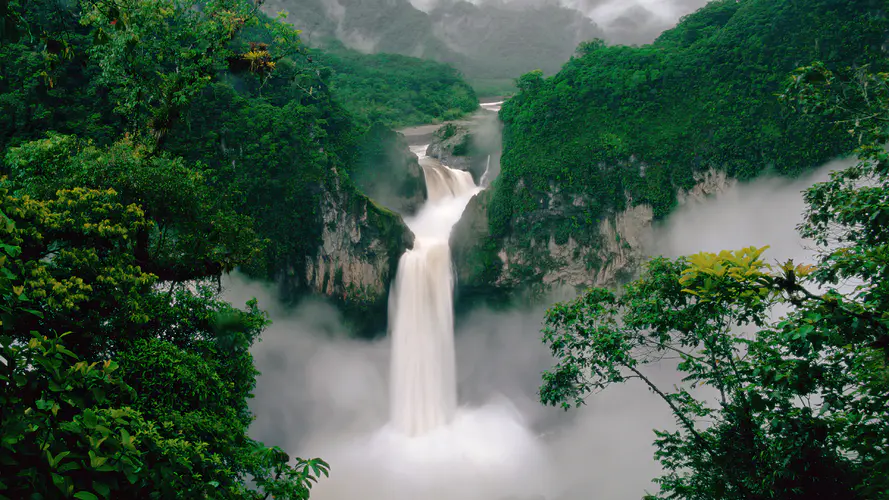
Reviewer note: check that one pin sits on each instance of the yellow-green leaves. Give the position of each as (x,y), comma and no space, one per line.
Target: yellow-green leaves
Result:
(710,275)
(65,246)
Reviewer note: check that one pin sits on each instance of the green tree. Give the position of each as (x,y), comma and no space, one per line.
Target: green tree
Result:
(799,409)
(109,249)
(156,56)
(168,418)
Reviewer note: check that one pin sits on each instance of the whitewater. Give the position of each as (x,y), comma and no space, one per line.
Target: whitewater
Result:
(432,447)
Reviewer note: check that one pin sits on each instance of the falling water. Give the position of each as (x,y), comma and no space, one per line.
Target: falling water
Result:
(431,449)
(423,383)
(483,182)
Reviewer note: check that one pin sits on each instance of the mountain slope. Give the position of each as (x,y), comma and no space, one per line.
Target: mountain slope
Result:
(621,127)
(486,41)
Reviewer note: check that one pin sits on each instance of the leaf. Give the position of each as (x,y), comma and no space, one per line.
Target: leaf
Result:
(95,460)
(85,495)
(127,440)
(89,419)
(69,466)
(102,489)
(66,352)
(59,481)
(35,313)
(58,458)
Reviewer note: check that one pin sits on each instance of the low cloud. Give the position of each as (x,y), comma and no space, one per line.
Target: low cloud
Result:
(624,21)
(324,394)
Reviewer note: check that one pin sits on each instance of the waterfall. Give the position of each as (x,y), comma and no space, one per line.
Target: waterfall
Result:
(483,182)
(430,448)
(422,377)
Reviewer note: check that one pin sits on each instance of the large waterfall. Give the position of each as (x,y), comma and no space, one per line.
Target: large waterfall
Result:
(431,448)
(423,384)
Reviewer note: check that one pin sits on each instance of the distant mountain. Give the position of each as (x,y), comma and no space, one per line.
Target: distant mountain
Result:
(503,42)
(483,41)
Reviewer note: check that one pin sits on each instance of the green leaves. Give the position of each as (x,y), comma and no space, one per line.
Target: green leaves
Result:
(791,395)
(180,47)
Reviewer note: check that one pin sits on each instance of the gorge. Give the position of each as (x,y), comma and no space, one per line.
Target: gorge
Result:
(333,395)
(226,248)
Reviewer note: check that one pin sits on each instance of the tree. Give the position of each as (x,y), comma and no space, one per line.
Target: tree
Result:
(169,417)
(157,56)
(799,409)
(124,375)
(194,233)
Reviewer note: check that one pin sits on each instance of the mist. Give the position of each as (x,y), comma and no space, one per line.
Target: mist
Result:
(628,22)
(762,212)
(322,394)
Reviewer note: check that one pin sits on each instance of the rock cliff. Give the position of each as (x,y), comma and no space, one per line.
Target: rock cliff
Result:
(472,145)
(356,258)
(607,257)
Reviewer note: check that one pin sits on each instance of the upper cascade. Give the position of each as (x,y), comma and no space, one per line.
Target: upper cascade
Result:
(423,380)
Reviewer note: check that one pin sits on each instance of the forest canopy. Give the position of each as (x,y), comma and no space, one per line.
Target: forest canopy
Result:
(785,366)
(147,147)
(620,126)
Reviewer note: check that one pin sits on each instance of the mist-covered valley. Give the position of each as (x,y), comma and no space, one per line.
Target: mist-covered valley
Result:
(489,250)
(322,393)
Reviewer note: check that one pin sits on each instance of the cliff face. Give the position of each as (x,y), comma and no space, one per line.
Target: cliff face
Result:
(451,146)
(607,257)
(357,257)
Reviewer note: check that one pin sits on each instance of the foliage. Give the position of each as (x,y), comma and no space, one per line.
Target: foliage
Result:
(194,234)
(122,374)
(68,266)
(620,126)
(46,81)
(395,90)
(791,406)
(156,56)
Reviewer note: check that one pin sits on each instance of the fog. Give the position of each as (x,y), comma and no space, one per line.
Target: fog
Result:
(624,21)
(322,394)
(763,212)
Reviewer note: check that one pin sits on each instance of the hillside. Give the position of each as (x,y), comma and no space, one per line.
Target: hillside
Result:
(595,152)
(395,90)
(281,134)
(490,43)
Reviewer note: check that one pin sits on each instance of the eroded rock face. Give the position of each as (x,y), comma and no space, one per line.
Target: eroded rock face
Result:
(621,238)
(450,145)
(473,252)
(356,261)
(609,256)
(709,183)
(472,145)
